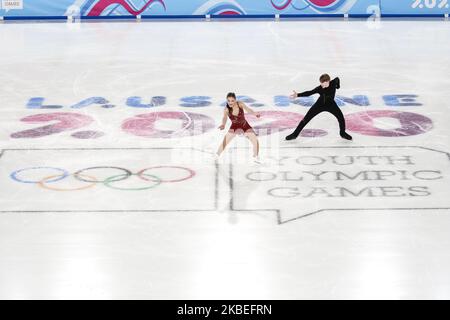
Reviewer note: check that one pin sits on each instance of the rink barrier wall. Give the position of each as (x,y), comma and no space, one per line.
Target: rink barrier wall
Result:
(107,18)
(219,9)
(172,17)
(220,17)
(429,15)
(35,18)
(315,16)
(247,16)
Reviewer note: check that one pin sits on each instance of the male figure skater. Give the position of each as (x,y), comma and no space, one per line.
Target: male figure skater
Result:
(327,91)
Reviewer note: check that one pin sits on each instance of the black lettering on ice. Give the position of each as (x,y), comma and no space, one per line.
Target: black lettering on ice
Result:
(344,191)
(261,176)
(418,191)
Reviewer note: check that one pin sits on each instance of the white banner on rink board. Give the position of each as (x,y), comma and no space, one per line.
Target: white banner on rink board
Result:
(11,4)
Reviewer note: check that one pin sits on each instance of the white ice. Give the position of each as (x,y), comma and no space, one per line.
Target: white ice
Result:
(225,232)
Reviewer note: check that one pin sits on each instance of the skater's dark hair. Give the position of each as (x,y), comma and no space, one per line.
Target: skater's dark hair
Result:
(230,95)
(324,78)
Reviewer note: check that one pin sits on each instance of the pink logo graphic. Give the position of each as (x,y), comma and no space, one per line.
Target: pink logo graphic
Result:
(321,5)
(101,5)
(220,7)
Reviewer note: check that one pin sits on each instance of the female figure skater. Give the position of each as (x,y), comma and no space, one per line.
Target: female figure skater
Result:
(239,125)
(327,91)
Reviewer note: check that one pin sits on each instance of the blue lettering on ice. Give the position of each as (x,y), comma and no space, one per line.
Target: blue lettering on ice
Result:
(136,102)
(247,100)
(305,101)
(93,100)
(195,101)
(397,100)
(282,101)
(37,103)
(358,100)
(401,100)
(285,101)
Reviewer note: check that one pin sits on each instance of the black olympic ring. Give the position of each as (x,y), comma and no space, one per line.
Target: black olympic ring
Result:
(126,175)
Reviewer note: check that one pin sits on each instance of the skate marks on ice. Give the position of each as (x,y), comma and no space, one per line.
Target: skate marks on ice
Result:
(296,183)
(303,181)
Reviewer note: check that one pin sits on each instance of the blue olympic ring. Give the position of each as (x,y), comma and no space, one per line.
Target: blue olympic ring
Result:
(14,175)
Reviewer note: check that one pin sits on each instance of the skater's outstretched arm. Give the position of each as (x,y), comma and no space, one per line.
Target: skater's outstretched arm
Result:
(336,82)
(308,93)
(224,119)
(305,94)
(249,110)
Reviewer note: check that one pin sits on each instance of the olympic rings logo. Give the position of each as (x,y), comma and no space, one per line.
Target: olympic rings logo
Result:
(88,177)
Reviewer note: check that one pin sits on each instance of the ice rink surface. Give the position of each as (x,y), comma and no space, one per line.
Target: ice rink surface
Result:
(108,189)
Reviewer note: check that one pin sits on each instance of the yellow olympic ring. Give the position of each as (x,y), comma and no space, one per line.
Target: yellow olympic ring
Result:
(45,186)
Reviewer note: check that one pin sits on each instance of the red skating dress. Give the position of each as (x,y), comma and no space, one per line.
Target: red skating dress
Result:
(238,123)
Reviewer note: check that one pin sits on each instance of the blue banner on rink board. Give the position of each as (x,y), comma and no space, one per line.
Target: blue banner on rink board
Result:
(115,8)
(95,8)
(415,7)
